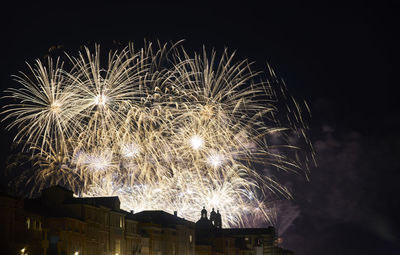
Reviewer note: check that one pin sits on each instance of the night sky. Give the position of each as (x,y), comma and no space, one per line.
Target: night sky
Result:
(340,58)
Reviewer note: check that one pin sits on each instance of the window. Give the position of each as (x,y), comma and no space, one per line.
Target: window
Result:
(173,249)
(121,222)
(190,238)
(28,223)
(156,245)
(117,246)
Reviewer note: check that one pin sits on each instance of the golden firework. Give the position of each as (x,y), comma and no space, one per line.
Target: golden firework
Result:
(161,130)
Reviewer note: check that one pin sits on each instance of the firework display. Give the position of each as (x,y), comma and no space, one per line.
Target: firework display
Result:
(161,129)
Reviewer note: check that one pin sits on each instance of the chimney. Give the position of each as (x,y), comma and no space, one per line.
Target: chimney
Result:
(131,211)
(176,213)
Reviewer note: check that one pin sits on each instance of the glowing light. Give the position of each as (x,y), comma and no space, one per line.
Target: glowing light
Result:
(100,100)
(98,162)
(130,150)
(215,160)
(55,107)
(196,142)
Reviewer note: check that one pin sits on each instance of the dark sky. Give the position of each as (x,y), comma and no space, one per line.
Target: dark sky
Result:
(339,57)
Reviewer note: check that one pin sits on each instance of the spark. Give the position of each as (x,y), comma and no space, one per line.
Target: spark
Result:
(55,107)
(215,160)
(100,100)
(130,150)
(196,142)
(97,163)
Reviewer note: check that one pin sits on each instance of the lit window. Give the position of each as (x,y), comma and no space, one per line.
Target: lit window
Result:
(121,222)
(117,246)
(173,248)
(28,223)
(190,238)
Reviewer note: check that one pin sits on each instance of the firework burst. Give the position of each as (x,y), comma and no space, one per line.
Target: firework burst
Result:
(161,129)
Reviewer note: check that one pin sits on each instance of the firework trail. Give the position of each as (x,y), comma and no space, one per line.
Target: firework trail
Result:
(161,129)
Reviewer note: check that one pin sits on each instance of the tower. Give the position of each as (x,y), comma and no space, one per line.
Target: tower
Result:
(218,221)
(204,213)
(213,217)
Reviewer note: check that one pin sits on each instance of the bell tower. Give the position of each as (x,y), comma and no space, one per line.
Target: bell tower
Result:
(218,221)
(204,213)
(213,217)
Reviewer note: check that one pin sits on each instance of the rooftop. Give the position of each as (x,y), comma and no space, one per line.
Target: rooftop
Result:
(249,231)
(159,217)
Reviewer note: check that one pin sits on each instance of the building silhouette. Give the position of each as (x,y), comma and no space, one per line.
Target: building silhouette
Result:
(59,223)
(211,238)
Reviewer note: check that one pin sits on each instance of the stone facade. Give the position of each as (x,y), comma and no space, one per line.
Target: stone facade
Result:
(57,223)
